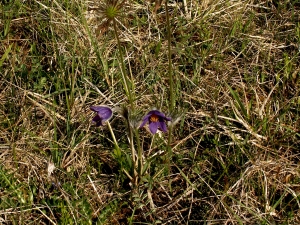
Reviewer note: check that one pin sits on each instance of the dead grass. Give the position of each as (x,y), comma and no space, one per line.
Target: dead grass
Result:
(235,149)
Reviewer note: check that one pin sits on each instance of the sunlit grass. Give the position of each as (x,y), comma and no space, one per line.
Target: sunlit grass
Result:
(232,151)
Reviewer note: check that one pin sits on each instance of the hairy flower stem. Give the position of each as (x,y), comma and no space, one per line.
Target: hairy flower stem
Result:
(129,90)
(171,85)
(127,85)
(133,154)
(113,136)
(170,71)
(140,156)
(134,177)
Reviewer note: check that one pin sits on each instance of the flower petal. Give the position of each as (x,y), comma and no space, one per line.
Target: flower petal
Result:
(153,123)
(160,115)
(96,108)
(162,126)
(145,120)
(168,118)
(157,113)
(153,127)
(104,112)
(98,120)
(99,123)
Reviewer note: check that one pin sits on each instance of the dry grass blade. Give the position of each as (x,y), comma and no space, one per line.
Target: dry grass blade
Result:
(233,151)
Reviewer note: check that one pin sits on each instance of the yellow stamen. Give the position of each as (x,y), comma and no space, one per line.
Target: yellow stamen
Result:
(154,118)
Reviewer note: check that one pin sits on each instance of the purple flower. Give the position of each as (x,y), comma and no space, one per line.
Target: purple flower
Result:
(103,113)
(156,120)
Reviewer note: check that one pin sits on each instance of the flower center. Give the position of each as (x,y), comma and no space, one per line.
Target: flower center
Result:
(154,118)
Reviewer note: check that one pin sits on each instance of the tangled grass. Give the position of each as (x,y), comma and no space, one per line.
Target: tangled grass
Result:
(235,139)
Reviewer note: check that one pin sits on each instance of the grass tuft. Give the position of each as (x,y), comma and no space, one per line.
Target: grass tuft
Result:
(227,72)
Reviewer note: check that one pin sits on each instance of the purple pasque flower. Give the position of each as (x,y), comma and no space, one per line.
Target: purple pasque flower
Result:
(103,113)
(156,120)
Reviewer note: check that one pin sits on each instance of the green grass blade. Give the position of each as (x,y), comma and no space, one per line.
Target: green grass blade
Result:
(237,98)
(5,55)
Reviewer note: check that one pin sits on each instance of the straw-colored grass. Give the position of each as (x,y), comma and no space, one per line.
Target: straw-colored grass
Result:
(235,144)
